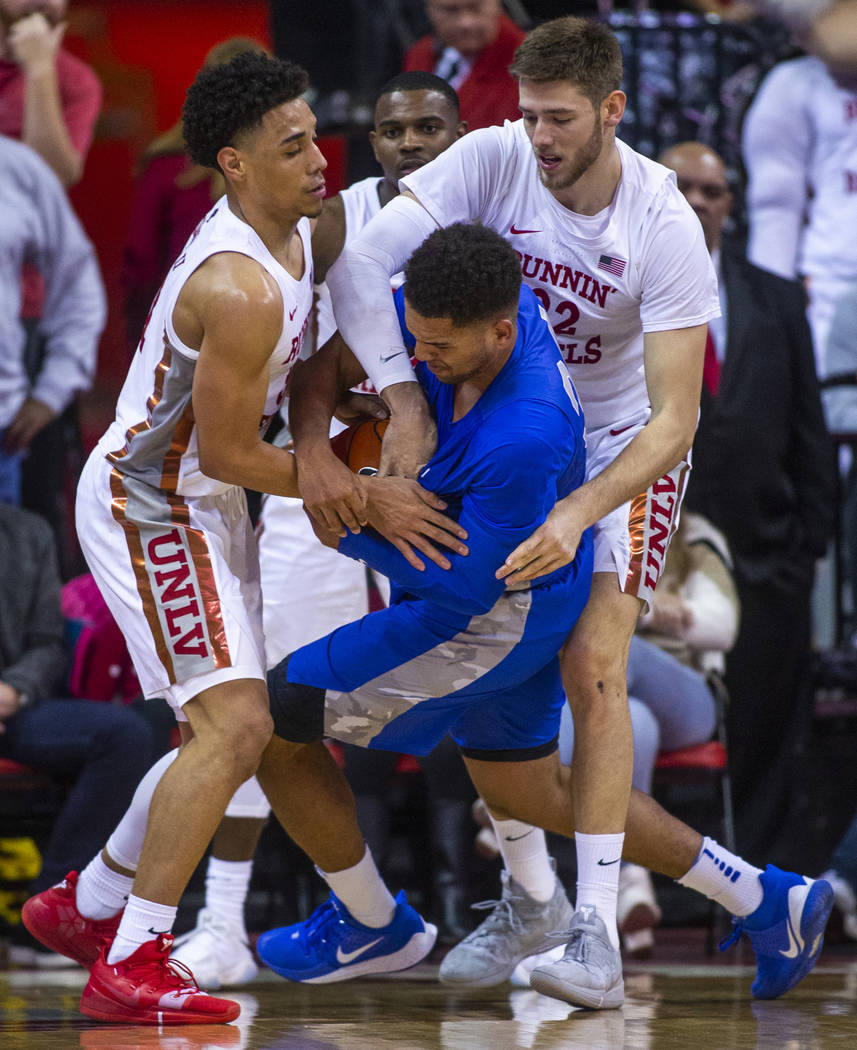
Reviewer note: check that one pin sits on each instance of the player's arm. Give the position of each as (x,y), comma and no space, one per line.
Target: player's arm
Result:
(406,513)
(328,237)
(232,309)
(359,283)
(507,498)
(331,493)
(673,364)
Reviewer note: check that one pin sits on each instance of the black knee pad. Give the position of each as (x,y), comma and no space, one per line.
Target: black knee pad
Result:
(297,710)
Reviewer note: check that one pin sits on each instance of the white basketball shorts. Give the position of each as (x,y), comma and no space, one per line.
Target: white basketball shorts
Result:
(181,577)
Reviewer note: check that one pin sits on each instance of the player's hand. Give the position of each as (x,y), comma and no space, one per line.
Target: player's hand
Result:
(356,408)
(552,545)
(332,495)
(34,42)
(410,517)
(32,417)
(323,535)
(411,436)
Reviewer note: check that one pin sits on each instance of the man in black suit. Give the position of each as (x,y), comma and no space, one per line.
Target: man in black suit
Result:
(763,473)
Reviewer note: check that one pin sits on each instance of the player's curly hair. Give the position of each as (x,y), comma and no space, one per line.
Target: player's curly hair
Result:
(466,273)
(575,49)
(224,101)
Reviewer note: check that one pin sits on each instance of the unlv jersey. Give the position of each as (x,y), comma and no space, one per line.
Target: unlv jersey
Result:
(640,265)
(153,438)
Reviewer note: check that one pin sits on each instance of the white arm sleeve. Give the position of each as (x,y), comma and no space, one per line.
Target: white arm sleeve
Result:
(359,283)
(777,140)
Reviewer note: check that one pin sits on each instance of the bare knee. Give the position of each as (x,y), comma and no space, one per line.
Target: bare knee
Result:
(234,726)
(594,673)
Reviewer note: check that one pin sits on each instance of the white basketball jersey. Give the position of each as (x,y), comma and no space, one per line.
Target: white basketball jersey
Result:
(640,265)
(153,437)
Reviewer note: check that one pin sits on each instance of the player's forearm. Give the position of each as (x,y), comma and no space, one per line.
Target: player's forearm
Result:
(359,283)
(468,587)
(261,467)
(313,394)
(658,447)
(43,127)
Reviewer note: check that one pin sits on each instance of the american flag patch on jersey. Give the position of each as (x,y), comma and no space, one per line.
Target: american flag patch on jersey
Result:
(611,265)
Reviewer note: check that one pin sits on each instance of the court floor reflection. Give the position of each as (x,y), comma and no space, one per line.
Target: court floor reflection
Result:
(680,1003)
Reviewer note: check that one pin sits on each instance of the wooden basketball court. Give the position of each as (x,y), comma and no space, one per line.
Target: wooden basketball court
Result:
(682,999)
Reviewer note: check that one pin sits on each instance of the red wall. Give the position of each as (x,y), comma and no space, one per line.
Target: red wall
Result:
(146,54)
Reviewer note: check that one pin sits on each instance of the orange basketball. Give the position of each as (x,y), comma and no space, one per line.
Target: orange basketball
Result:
(359,447)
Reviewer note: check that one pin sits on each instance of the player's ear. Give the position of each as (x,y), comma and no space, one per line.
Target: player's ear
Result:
(230,162)
(613,108)
(505,331)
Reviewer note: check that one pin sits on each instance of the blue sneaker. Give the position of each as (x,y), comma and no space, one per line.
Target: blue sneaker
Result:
(331,945)
(786,930)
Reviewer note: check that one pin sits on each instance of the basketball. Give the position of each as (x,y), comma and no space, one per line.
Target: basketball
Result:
(359,447)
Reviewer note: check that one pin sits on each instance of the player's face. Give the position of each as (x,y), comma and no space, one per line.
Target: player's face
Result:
(565,129)
(701,177)
(467,25)
(284,166)
(456,353)
(412,128)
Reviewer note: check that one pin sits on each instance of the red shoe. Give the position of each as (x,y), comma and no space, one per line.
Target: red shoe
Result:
(52,918)
(151,988)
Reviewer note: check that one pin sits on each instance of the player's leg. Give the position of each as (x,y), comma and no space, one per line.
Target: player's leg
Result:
(361,928)
(783,914)
(217,949)
(181,579)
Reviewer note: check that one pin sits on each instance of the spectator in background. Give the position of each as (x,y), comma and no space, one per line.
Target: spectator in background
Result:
(48,98)
(38,225)
(472,47)
(800,152)
(828,28)
(840,409)
(171,196)
(99,749)
(50,101)
(763,475)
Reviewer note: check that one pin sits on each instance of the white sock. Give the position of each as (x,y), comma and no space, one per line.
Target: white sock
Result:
(722,877)
(126,842)
(525,855)
(361,889)
(598,862)
(141,921)
(101,892)
(226,885)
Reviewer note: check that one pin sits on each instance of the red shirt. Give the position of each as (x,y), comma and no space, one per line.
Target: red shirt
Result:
(489,95)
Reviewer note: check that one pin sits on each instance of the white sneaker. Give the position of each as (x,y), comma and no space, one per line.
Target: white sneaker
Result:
(216,952)
(637,911)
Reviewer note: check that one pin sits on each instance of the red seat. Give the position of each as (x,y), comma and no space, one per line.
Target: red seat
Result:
(711,755)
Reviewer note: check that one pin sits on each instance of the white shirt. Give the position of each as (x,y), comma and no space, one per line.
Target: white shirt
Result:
(640,265)
(800,152)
